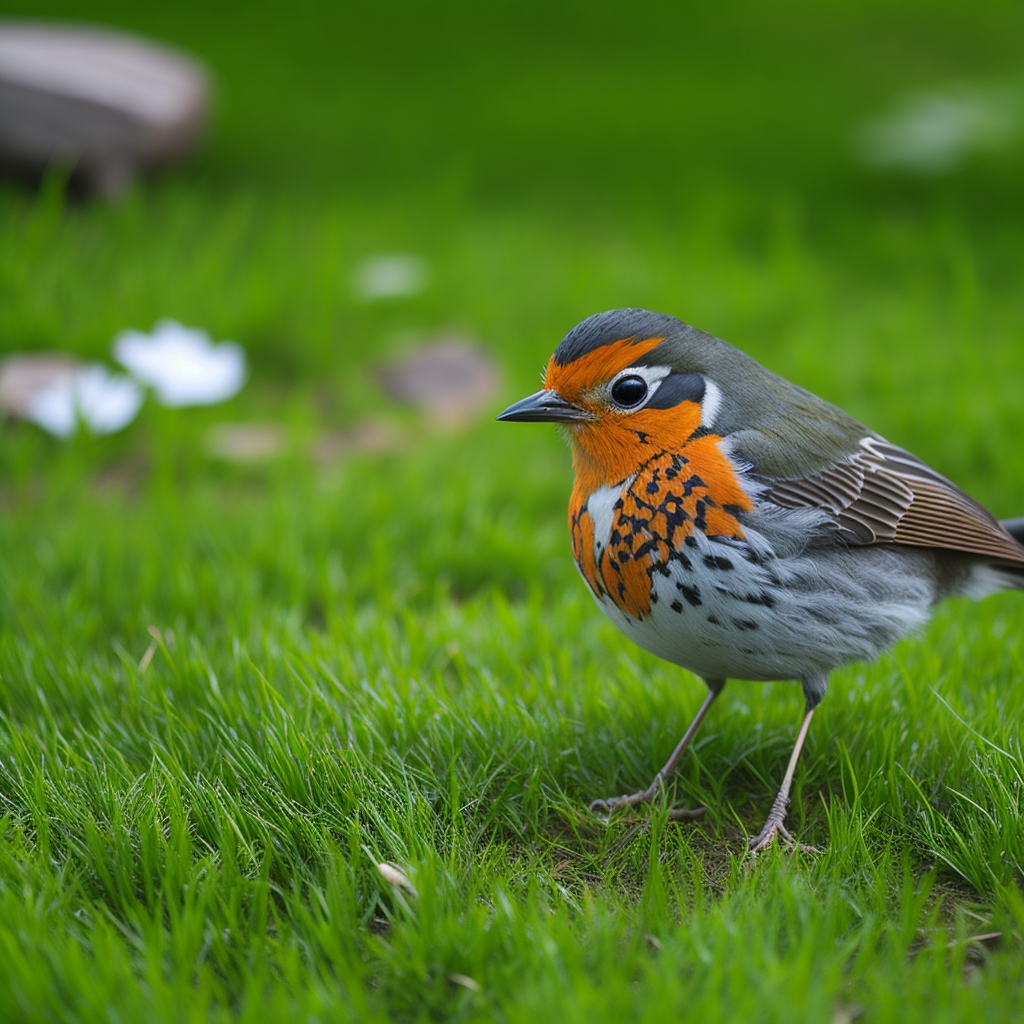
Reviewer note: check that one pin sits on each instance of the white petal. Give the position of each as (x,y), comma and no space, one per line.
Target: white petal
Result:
(395,876)
(53,408)
(105,402)
(181,364)
(934,132)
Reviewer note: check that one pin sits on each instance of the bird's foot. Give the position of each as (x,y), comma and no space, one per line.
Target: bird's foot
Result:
(765,837)
(606,808)
(773,827)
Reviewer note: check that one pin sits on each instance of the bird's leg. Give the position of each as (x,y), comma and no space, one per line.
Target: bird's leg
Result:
(612,804)
(777,814)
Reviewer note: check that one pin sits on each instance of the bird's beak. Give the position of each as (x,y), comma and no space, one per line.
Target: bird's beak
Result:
(545,407)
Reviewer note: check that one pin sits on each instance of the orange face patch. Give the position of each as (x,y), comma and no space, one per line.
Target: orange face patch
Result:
(610,447)
(575,379)
(607,450)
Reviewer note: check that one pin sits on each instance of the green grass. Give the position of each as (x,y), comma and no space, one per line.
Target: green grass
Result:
(391,658)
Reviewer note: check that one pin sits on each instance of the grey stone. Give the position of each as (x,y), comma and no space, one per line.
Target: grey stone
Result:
(102,104)
(23,376)
(450,380)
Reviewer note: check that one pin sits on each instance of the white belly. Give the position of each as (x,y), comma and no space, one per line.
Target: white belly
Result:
(734,609)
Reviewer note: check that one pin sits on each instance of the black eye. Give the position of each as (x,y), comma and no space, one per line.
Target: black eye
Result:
(629,391)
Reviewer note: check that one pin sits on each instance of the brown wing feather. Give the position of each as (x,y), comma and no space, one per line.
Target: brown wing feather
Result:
(882,494)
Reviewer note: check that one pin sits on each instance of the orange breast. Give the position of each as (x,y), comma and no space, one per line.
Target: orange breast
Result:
(672,495)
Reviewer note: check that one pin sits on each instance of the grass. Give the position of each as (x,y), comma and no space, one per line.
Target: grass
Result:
(228,692)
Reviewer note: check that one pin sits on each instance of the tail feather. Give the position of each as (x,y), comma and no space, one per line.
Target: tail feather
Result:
(1015,528)
(1013,575)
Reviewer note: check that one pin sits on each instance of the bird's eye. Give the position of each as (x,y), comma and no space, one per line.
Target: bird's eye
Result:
(629,391)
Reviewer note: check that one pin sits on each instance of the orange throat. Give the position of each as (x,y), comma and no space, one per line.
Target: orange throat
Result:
(678,488)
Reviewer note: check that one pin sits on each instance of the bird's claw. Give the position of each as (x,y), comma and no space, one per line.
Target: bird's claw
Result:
(605,808)
(772,828)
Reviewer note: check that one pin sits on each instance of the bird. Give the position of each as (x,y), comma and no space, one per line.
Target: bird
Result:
(739,526)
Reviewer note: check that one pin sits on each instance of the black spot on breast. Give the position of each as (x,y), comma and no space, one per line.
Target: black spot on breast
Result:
(678,556)
(690,542)
(676,606)
(713,620)
(763,599)
(744,624)
(717,562)
(692,594)
(645,548)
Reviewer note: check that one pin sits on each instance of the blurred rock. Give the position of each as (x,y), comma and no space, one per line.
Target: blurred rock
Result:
(450,380)
(22,377)
(102,103)
(246,442)
(371,435)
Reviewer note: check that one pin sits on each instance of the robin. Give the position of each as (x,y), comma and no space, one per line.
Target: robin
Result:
(734,524)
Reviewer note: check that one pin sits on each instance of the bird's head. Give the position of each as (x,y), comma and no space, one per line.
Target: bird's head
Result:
(627,385)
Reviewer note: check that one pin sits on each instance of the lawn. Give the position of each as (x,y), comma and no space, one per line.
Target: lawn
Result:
(228,692)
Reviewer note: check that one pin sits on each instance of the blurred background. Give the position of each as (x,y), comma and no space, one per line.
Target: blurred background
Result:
(836,189)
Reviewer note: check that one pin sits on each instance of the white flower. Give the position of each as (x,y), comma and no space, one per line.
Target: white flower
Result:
(932,133)
(103,401)
(390,276)
(181,364)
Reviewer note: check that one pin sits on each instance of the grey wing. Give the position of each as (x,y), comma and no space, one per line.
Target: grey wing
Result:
(882,494)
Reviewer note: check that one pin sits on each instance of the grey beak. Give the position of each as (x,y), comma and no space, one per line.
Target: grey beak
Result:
(545,407)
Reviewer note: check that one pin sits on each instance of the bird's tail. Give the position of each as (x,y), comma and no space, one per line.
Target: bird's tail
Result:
(1015,528)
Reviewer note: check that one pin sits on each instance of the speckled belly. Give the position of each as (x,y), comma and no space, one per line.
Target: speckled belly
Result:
(674,570)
